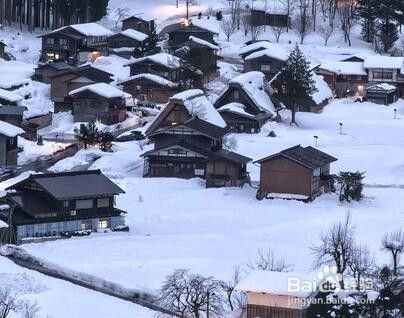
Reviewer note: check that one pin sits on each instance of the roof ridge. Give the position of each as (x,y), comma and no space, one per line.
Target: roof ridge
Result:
(66,173)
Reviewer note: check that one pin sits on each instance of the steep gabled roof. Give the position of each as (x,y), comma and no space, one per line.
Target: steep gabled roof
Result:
(309,157)
(203,152)
(87,29)
(151,77)
(230,155)
(253,47)
(12,110)
(9,130)
(274,51)
(71,185)
(101,89)
(164,59)
(133,34)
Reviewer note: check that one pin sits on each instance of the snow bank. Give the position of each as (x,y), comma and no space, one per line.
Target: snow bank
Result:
(9,130)
(324,92)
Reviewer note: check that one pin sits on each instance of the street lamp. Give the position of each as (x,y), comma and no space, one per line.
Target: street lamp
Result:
(340,128)
(395,113)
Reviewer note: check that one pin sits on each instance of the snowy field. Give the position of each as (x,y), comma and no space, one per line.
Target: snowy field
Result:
(180,224)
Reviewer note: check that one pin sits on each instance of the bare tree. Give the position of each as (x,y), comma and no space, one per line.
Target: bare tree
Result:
(361,263)
(29,309)
(119,15)
(245,22)
(394,244)
(267,261)
(303,21)
(190,295)
(289,7)
(188,4)
(325,30)
(235,299)
(235,8)
(9,302)
(230,143)
(277,31)
(347,17)
(228,27)
(265,7)
(336,247)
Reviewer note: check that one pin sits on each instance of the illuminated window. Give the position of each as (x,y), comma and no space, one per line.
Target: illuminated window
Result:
(103,224)
(62,41)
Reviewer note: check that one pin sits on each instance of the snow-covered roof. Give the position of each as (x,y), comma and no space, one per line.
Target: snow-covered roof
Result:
(324,92)
(253,84)
(8,83)
(9,96)
(102,89)
(277,283)
(152,77)
(9,130)
(275,51)
(198,105)
(236,108)
(88,29)
(382,86)
(378,61)
(164,59)
(260,45)
(136,35)
(203,42)
(344,68)
(3,224)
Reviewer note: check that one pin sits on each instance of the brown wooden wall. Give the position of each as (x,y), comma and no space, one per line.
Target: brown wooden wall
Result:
(281,175)
(255,311)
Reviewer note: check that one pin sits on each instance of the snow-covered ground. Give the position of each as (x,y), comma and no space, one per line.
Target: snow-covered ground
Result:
(54,296)
(180,224)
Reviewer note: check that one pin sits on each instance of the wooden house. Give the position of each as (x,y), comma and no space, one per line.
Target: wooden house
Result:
(64,82)
(268,61)
(178,33)
(271,295)
(344,77)
(275,15)
(9,98)
(246,104)
(138,24)
(75,44)
(301,173)
(386,69)
(8,144)
(99,102)
(2,49)
(188,142)
(149,87)
(45,71)
(14,116)
(162,64)
(56,205)
(382,93)
(125,42)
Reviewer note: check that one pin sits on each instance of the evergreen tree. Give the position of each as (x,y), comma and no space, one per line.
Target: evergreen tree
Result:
(351,186)
(387,32)
(105,140)
(295,83)
(367,12)
(148,47)
(88,134)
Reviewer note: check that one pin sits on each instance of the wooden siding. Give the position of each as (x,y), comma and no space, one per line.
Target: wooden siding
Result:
(144,89)
(257,64)
(138,24)
(282,175)
(255,311)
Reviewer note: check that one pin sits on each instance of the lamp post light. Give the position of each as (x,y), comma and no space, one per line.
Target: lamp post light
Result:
(395,113)
(315,141)
(340,128)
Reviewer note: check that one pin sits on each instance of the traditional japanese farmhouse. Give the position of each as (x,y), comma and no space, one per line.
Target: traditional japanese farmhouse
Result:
(271,295)
(162,64)
(99,102)
(45,71)
(188,142)
(179,33)
(51,206)
(2,49)
(272,13)
(344,77)
(386,69)
(75,44)
(9,98)
(301,173)
(246,104)
(382,93)
(125,42)
(138,24)
(8,144)
(268,61)
(64,82)
(150,87)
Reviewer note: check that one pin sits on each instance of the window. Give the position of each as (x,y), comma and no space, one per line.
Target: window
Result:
(103,202)
(265,67)
(65,203)
(236,94)
(11,142)
(177,151)
(103,224)
(73,213)
(50,41)
(316,172)
(62,41)
(84,204)
(382,74)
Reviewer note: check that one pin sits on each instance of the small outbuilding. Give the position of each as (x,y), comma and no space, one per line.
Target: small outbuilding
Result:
(382,93)
(300,173)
